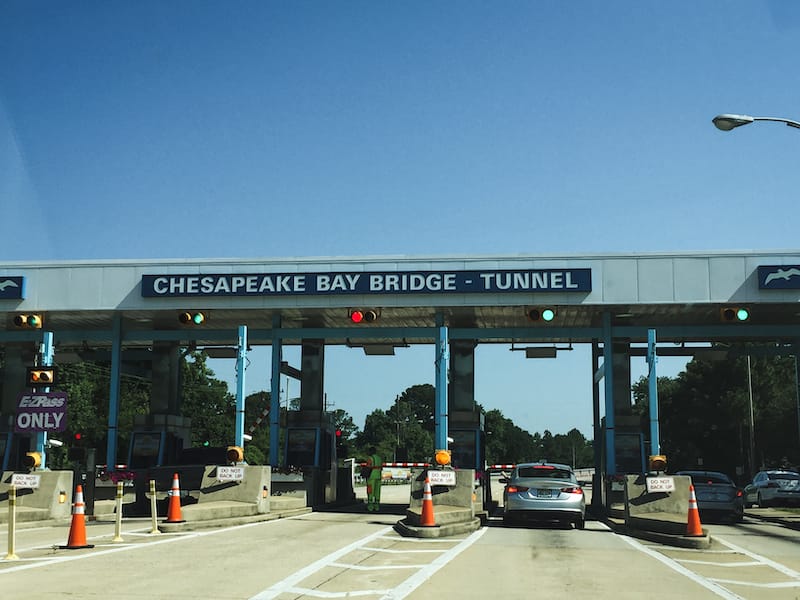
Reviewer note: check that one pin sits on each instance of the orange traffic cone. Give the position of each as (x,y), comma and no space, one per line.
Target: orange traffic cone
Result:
(693,526)
(426,517)
(174,506)
(77,530)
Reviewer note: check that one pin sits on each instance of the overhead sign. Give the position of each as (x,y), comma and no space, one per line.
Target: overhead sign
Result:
(41,412)
(438,477)
(779,277)
(12,288)
(406,282)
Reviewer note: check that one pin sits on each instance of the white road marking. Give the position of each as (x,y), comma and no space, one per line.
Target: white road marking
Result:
(424,571)
(676,566)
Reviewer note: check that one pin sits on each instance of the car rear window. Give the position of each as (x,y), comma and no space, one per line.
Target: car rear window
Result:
(784,475)
(700,478)
(544,471)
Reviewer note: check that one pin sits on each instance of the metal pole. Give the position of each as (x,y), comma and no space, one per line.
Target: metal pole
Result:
(442,357)
(118,522)
(12,522)
(797,395)
(752,420)
(241,357)
(153,508)
(652,388)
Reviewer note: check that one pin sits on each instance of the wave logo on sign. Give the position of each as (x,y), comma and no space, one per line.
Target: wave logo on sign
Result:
(779,277)
(12,288)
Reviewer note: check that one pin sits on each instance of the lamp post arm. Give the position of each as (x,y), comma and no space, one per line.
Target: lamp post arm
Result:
(789,122)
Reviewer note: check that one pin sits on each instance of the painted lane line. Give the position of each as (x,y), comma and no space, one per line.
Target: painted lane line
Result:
(375,568)
(776,585)
(676,566)
(413,582)
(393,551)
(763,559)
(320,594)
(295,578)
(713,563)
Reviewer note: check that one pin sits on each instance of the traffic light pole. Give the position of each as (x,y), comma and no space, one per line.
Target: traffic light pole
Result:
(241,358)
(46,360)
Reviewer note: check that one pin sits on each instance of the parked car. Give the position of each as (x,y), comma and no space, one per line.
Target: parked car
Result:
(773,487)
(543,491)
(717,494)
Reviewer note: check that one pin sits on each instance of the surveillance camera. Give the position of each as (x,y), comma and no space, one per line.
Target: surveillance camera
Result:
(55,443)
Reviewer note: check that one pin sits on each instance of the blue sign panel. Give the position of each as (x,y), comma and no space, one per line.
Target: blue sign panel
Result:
(779,277)
(12,288)
(406,282)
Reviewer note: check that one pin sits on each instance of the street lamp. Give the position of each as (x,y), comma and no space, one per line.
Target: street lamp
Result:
(727,122)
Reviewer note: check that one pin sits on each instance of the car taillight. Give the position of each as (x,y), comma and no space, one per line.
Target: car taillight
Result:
(513,489)
(572,490)
(738,493)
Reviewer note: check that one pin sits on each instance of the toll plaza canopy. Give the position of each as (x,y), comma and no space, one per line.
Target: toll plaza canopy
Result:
(686,297)
(145,310)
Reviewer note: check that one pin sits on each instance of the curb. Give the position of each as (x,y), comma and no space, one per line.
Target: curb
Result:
(437,531)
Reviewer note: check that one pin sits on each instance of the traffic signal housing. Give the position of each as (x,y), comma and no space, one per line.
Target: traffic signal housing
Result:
(41,376)
(543,314)
(28,321)
(734,314)
(192,318)
(363,315)
(235,454)
(32,460)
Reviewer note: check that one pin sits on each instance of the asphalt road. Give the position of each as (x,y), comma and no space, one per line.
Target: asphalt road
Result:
(357,554)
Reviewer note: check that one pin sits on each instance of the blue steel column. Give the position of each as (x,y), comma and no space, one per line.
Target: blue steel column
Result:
(275,395)
(608,380)
(113,394)
(652,390)
(46,361)
(241,357)
(442,358)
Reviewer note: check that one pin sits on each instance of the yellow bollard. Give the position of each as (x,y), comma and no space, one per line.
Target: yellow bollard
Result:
(118,525)
(153,508)
(12,522)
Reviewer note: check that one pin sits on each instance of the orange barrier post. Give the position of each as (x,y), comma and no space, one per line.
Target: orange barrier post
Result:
(77,530)
(426,518)
(693,527)
(174,507)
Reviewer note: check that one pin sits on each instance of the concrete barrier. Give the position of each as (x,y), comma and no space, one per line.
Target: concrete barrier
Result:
(45,502)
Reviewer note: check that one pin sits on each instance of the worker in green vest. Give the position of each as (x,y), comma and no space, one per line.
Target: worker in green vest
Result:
(375,464)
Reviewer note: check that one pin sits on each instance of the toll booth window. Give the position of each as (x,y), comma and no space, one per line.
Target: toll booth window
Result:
(145,450)
(300,447)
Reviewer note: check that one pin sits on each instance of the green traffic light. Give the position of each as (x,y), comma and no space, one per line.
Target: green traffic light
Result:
(198,318)
(548,314)
(742,314)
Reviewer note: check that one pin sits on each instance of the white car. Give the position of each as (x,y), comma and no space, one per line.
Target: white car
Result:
(773,487)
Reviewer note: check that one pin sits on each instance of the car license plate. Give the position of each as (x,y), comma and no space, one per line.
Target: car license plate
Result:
(544,493)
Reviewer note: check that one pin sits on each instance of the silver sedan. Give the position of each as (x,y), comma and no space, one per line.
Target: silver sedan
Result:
(543,491)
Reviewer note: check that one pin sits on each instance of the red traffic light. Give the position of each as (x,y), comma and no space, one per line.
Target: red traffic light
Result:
(338,433)
(363,316)
(78,437)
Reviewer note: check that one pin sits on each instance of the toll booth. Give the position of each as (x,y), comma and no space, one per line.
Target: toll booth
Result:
(468,450)
(311,446)
(158,440)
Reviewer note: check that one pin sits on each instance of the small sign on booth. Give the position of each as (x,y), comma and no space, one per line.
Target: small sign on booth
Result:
(25,480)
(230,473)
(660,484)
(437,477)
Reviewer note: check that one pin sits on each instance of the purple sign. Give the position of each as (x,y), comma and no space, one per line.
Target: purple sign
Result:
(44,411)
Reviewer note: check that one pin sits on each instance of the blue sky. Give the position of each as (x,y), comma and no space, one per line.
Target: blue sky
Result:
(279,129)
